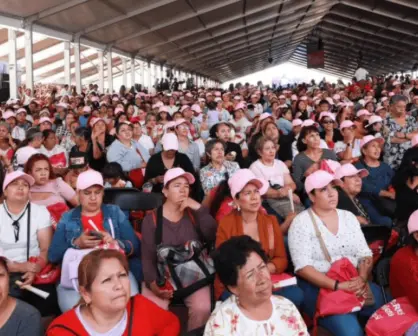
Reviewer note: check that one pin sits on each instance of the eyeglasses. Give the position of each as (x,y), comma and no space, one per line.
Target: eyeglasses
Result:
(184,127)
(327,122)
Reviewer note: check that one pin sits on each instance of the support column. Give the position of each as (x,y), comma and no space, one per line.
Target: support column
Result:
(149,76)
(142,81)
(101,71)
(124,72)
(132,71)
(162,71)
(12,64)
(29,57)
(110,70)
(67,62)
(155,76)
(77,66)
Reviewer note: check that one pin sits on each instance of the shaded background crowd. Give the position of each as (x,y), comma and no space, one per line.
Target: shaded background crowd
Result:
(276,182)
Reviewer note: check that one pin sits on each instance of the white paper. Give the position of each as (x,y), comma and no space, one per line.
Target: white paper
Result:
(292,205)
(34,290)
(285,283)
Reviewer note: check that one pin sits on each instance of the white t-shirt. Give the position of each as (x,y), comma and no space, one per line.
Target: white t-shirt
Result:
(117,330)
(274,174)
(16,251)
(341,146)
(58,156)
(322,144)
(146,142)
(361,74)
(227,319)
(305,248)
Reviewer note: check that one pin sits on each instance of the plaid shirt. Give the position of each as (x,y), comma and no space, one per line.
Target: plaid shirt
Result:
(62,132)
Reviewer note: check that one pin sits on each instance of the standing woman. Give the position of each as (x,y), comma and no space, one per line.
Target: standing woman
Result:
(342,237)
(186,146)
(128,153)
(100,141)
(247,219)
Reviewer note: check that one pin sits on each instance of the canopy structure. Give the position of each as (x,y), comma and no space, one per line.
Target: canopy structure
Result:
(217,39)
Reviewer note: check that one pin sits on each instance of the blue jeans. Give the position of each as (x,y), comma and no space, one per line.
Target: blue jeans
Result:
(375,216)
(340,325)
(292,293)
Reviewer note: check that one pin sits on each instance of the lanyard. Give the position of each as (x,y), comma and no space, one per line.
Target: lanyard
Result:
(16,224)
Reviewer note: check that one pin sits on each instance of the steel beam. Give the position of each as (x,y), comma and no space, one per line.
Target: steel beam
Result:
(101,71)
(53,10)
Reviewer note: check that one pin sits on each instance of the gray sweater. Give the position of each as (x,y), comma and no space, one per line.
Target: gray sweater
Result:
(302,162)
(24,321)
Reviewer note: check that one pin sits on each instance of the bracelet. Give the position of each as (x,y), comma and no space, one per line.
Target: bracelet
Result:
(336,285)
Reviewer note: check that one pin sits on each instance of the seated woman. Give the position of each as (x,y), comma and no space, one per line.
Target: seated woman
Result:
(376,197)
(17,214)
(48,190)
(403,275)
(330,134)
(310,155)
(284,143)
(218,168)
(342,236)
(348,149)
(56,154)
(187,146)
(349,189)
(247,219)
(278,176)
(243,268)
(114,176)
(75,226)
(183,220)
(107,306)
(16,317)
(7,144)
(128,153)
(169,158)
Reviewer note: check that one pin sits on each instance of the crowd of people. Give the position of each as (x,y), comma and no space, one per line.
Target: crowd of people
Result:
(261,187)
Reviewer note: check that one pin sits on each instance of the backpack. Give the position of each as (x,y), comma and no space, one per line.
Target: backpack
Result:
(185,268)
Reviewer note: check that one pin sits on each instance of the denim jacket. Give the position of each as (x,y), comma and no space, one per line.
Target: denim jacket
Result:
(70,227)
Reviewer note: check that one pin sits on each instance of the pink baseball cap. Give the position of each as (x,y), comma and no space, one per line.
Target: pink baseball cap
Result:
(181,121)
(169,124)
(296,122)
(349,170)
(23,154)
(196,108)
(163,109)
(309,122)
(45,119)
(383,99)
(95,99)
(242,177)
(333,165)
(326,114)
(21,110)
(240,106)
(119,110)
(329,100)
(265,115)
(378,108)
(374,119)
(336,97)
(294,97)
(347,124)
(174,173)
(17,175)
(369,138)
(95,121)
(282,97)
(318,180)
(87,109)
(391,94)
(363,112)
(89,178)
(8,114)
(184,108)
(413,222)
(414,140)
(303,98)
(169,141)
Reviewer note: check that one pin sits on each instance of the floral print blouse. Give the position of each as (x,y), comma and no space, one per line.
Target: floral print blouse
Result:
(395,152)
(210,177)
(227,319)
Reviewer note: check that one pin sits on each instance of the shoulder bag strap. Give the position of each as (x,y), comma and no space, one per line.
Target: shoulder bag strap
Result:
(158,225)
(131,316)
(28,236)
(139,153)
(319,236)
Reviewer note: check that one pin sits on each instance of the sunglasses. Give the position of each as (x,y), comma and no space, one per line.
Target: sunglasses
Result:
(327,122)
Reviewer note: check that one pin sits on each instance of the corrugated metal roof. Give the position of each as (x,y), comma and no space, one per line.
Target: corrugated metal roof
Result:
(226,39)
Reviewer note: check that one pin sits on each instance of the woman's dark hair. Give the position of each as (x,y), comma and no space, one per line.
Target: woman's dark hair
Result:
(222,192)
(3,263)
(412,241)
(303,134)
(168,118)
(82,132)
(113,170)
(259,145)
(232,255)
(209,146)
(117,122)
(212,105)
(407,170)
(46,133)
(121,124)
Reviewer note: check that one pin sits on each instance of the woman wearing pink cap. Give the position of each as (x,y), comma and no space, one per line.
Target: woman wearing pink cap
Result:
(330,133)
(25,258)
(248,219)
(404,266)
(181,220)
(348,149)
(342,236)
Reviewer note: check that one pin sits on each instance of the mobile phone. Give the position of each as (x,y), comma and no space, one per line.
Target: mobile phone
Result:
(96,234)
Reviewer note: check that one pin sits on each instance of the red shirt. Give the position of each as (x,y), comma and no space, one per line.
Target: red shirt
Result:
(403,277)
(97,220)
(148,320)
